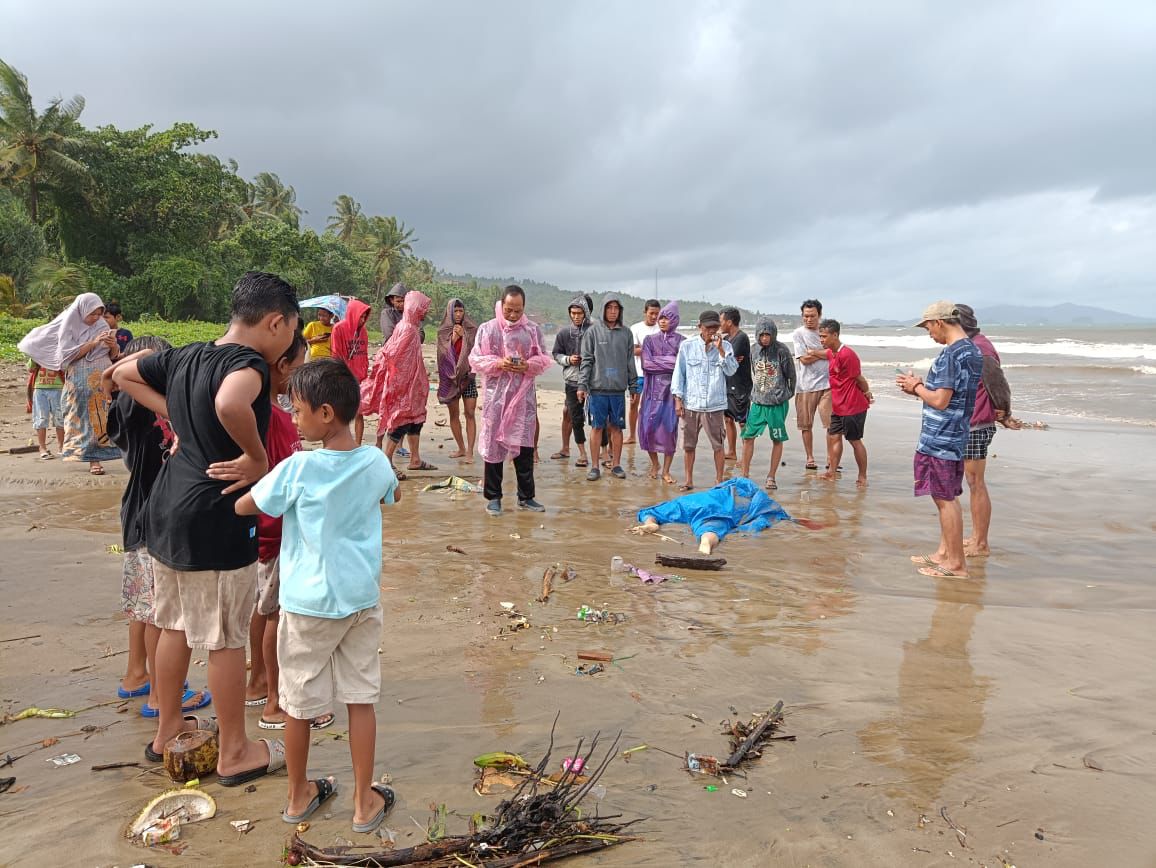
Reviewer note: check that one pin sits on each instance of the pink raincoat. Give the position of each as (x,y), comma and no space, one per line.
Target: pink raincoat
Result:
(398,385)
(510,404)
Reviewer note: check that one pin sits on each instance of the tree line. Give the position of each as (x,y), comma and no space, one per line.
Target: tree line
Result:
(140,217)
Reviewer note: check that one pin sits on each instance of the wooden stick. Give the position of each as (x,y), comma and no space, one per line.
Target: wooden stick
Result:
(548,583)
(773,716)
(690,563)
(125,765)
(21,638)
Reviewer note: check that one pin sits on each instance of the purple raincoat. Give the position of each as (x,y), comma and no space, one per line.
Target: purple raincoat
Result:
(657,422)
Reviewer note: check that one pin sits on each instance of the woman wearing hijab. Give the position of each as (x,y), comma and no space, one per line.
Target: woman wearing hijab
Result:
(457,385)
(398,385)
(79,342)
(658,423)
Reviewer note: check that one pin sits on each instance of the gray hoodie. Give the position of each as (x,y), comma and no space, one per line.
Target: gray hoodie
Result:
(772,367)
(607,355)
(568,342)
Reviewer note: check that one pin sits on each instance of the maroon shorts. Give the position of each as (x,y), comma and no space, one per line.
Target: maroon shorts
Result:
(939,477)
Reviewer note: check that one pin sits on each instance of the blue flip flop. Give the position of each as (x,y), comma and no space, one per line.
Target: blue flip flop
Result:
(147,710)
(140,691)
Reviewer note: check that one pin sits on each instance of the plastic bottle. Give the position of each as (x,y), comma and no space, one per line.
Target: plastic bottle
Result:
(617,565)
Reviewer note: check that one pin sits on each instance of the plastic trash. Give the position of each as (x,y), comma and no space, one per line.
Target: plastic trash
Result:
(617,565)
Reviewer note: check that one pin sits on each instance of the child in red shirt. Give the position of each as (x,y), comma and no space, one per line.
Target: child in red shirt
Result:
(281,441)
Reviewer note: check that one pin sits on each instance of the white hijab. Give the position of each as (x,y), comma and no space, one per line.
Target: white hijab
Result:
(54,345)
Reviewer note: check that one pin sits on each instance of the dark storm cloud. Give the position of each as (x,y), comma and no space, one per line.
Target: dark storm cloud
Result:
(872,152)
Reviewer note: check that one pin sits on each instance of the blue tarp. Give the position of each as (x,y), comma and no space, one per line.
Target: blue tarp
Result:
(335,304)
(736,504)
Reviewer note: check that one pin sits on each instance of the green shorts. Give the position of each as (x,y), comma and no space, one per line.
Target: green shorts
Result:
(772,417)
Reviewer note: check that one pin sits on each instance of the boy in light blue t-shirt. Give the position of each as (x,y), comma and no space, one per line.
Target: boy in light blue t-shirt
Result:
(330,564)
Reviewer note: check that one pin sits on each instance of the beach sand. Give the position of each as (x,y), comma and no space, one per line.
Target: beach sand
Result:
(1020,700)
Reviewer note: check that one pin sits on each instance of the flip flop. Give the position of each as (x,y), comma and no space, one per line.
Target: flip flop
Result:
(923,561)
(401,476)
(270,724)
(326,787)
(322,721)
(939,572)
(256,703)
(558,455)
(811,465)
(686,488)
(276,763)
(96,471)
(148,711)
(378,818)
(46,456)
(121,693)
(772,485)
(425,465)
(581,462)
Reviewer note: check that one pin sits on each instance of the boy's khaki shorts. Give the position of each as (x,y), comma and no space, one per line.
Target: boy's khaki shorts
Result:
(268,586)
(212,607)
(328,660)
(806,405)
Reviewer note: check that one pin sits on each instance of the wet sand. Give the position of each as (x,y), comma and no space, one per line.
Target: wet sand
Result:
(1021,700)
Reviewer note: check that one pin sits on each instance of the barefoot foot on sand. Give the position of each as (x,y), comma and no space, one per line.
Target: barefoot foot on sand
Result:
(861,482)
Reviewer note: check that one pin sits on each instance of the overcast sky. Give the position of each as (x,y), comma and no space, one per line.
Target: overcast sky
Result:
(876,155)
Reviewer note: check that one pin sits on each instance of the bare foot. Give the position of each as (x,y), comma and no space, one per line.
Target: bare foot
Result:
(861,482)
(458,453)
(730,458)
(827,477)
(629,441)
(653,474)
(974,551)
(668,479)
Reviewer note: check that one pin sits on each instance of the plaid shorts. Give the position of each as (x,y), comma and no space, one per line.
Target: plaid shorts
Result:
(978,439)
(471,389)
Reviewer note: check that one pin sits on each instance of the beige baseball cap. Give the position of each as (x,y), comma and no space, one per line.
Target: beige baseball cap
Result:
(938,310)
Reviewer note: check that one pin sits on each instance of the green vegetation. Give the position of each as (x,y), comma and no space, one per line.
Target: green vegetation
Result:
(548,304)
(145,218)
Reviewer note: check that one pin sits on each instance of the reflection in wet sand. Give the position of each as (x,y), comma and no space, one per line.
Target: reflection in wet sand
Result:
(941,701)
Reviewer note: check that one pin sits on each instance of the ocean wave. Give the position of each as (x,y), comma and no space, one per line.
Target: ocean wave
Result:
(1060,347)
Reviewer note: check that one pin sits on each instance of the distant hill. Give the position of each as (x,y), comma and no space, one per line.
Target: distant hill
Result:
(1056,315)
(547,304)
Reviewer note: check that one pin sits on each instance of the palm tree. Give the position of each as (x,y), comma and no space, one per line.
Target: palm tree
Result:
(275,199)
(54,284)
(33,145)
(390,243)
(345,221)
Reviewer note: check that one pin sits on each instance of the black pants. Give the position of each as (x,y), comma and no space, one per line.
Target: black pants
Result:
(577,411)
(523,468)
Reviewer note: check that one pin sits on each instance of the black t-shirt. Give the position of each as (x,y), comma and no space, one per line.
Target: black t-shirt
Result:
(741,382)
(189,524)
(142,440)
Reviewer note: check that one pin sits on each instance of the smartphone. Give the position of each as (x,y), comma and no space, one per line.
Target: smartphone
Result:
(517,360)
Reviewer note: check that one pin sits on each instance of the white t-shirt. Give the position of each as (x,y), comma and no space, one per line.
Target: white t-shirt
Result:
(641,332)
(812,377)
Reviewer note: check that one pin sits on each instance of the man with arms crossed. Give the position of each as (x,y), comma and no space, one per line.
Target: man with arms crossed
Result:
(814,388)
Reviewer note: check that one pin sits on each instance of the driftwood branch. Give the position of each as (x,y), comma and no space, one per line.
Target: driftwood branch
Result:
(758,734)
(690,563)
